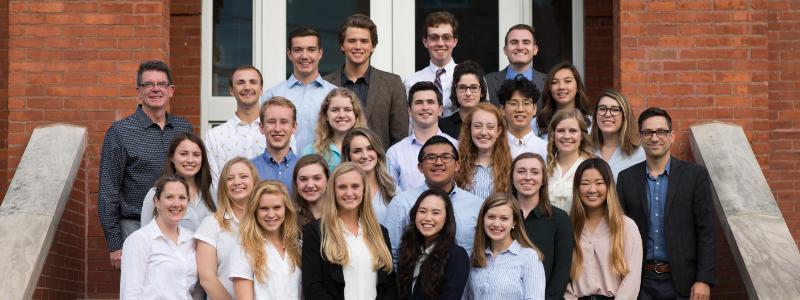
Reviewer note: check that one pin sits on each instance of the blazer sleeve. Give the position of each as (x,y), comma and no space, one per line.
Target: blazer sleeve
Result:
(562,260)
(313,271)
(704,227)
(399,112)
(621,192)
(388,289)
(457,273)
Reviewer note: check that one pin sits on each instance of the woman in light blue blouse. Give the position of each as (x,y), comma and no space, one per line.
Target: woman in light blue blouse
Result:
(505,264)
(614,133)
(485,156)
(340,111)
(363,147)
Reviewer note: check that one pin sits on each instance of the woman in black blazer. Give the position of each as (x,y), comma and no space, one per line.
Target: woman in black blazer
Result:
(432,265)
(343,256)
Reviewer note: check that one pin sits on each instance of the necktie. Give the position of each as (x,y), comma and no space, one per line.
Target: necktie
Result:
(438,80)
(520,77)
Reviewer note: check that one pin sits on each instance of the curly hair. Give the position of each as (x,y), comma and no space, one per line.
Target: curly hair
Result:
(323,134)
(501,153)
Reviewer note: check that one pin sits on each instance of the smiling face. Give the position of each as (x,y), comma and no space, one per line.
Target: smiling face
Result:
(439,174)
(239,182)
(247,87)
(593,190)
(357,46)
(563,88)
(430,217)
(349,191)
(363,153)
(519,112)
(527,175)
(440,43)
(155,97)
(187,159)
(468,99)
(654,146)
(171,205)
(520,47)
(341,116)
(497,223)
(425,109)
(311,182)
(305,55)
(608,123)
(278,127)
(271,213)
(484,130)
(567,136)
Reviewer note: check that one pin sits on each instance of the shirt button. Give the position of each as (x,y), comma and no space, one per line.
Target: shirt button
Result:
(657,183)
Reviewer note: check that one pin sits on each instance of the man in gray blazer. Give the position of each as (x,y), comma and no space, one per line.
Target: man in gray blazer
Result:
(382,94)
(520,48)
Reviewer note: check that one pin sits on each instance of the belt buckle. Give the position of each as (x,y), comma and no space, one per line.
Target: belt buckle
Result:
(655,267)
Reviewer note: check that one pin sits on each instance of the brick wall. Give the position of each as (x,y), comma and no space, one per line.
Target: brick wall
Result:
(185,59)
(3,96)
(598,45)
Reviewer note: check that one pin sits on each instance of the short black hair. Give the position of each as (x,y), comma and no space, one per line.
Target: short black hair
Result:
(153,65)
(424,86)
(654,112)
(435,140)
(301,32)
(520,84)
(464,68)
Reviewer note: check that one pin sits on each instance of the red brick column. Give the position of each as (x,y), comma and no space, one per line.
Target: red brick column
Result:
(185,58)
(3,96)
(75,62)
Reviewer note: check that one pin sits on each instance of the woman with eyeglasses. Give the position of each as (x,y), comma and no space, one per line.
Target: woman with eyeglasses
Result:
(614,133)
(468,90)
(363,147)
(565,91)
(485,154)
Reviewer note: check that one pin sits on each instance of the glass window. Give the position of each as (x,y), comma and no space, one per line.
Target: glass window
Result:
(477,31)
(325,17)
(552,20)
(232,41)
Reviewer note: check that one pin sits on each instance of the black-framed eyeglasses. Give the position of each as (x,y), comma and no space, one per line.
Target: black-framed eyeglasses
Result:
(660,133)
(432,158)
(526,104)
(444,38)
(149,85)
(603,110)
(462,88)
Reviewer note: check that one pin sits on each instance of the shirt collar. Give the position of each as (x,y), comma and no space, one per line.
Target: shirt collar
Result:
(448,67)
(513,248)
(666,169)
(292,81)
(239,122)
(289,156)
(452,193)
(366,76)
(511,74)
(153,232)
(413,136)
(141,119)
(523,141)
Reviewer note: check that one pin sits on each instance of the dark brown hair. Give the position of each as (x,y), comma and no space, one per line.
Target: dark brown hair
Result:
(437,18)
(203,177)
(359,21)
(549,107)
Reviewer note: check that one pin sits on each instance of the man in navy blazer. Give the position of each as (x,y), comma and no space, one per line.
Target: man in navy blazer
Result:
(670,201)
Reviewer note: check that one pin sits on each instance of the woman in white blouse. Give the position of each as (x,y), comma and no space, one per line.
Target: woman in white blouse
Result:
(568,145)
(484,153)
(346,252)
(159,260)
(187,157)
(217,235)
(266,265)
(615,134)
(363,147)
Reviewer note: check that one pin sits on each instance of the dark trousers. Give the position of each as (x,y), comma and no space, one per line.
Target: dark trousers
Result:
(658,287)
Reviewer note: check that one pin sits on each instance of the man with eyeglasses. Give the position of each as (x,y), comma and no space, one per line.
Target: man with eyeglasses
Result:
(520,49)
(517,98)
(133,155)
(438,162)
(670,201)
(425,107)
(440,39)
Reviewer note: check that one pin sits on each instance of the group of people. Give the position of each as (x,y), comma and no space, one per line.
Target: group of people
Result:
(452,184)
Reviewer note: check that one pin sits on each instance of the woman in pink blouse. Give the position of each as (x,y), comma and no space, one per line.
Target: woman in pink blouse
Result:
(606,264)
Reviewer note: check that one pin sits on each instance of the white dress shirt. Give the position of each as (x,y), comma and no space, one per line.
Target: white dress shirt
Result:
(560,185)
(359,276)
(196,211)
(222,240)
(155,267)
(429,74)
(282,281)
(528,143)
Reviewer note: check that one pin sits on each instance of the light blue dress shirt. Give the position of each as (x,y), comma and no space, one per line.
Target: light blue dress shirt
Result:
(270,169)
(482,181)
(511,74)
(466,207)
(333,160)
(307,98)
(516,273)
(402,160)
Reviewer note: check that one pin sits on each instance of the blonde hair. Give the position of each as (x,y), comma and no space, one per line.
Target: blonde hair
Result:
(501,153)
(585,148)
(223,196)
(334,247)
(628,132)
(518,232)
(614,215)
(323,134)
(385,181)
(252,235)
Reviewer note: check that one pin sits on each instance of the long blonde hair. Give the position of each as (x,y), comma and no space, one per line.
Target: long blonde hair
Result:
(501,153)
(323,134)
(628,132)
(223,196)
(385,181)
(252,235)
(614,215)
(585,147)
(334,247)
(518,232)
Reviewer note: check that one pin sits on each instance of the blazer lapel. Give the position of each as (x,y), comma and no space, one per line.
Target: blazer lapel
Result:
(672,189)
(372,93)
(642,190)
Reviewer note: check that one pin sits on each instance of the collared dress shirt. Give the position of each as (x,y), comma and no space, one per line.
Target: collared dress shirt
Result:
(482,181)
(196,211)
(270,169)
(511,74)
(359,276)
(466,207)
(360,86)
(656,200)
(528,143)
(597,275)
(620,161)
(516,273)
(282,280)
(224,241)
(553,236)
(308,99)
(231,139)
(402,161)
(133,155)
(560,185)
(155,267)
(429,74)
(333,158)
(380,206)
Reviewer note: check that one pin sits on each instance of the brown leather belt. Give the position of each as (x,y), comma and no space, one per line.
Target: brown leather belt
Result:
(657,268)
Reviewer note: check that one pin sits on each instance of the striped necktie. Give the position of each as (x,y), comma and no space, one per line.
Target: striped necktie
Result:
(438,80)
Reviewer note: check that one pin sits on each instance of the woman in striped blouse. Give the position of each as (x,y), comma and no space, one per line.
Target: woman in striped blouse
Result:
(505,264)
(485,155)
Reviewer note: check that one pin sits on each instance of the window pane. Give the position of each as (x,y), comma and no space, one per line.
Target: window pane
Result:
(553,22)
(477,30)
(325,17)
(232,41)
